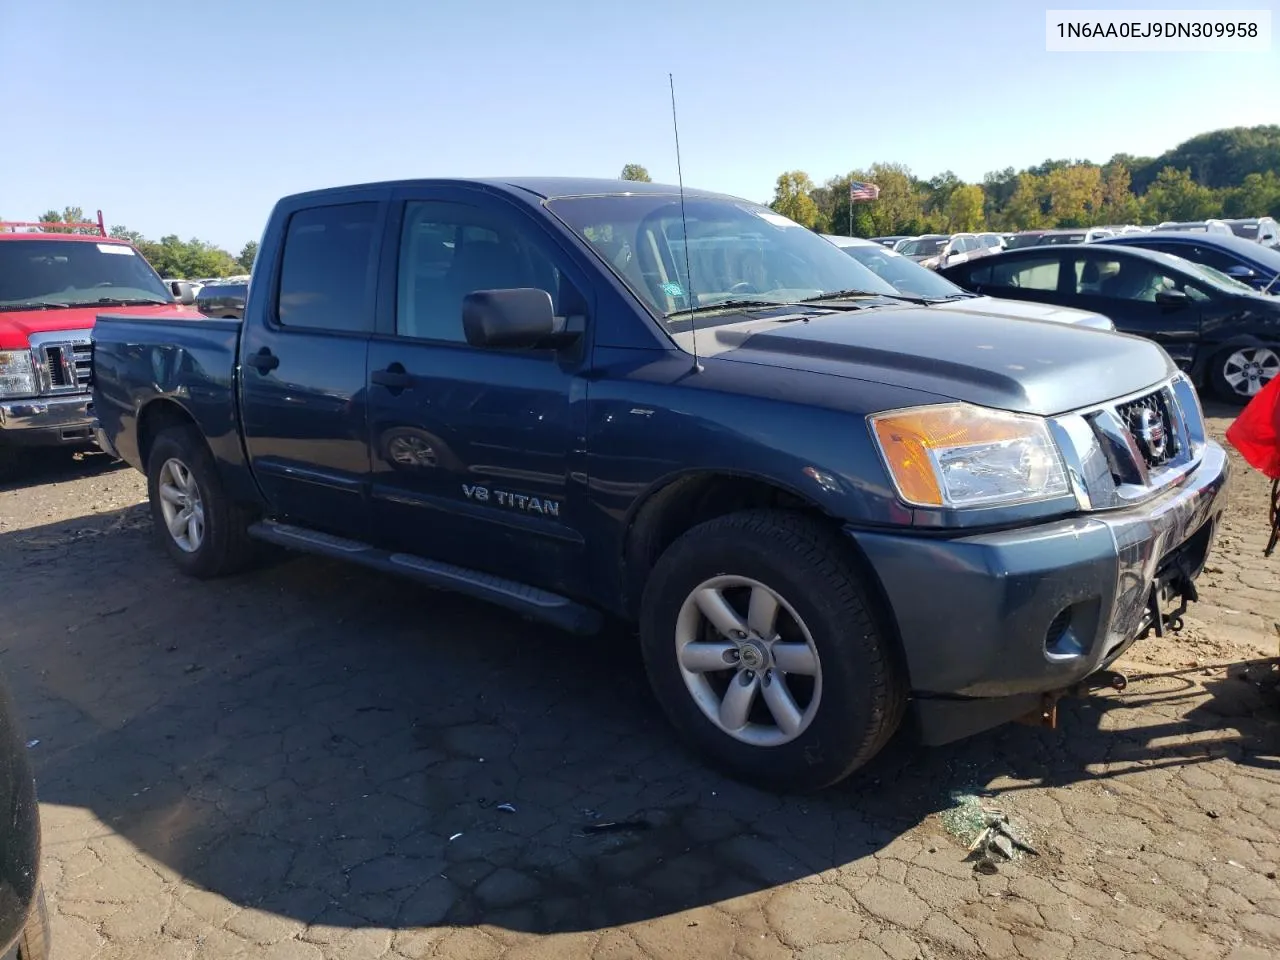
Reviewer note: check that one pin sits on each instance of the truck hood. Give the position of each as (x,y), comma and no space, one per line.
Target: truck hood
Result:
(17,325)
(996,361)
(1026,310)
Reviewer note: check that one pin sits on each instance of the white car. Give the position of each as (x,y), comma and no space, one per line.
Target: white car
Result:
(916,282)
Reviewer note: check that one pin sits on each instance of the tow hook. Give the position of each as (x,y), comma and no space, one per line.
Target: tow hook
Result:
(1047,714)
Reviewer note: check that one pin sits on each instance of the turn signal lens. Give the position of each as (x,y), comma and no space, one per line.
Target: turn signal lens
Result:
(960,455)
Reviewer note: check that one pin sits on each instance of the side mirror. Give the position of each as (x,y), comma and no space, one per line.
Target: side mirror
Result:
(1172,298)
(521,317)
(183,292)
(1241,272)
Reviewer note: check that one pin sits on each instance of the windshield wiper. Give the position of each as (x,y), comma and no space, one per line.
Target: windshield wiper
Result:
(949,297)
(35,305)
(845,295)
(723,305)
(126,301)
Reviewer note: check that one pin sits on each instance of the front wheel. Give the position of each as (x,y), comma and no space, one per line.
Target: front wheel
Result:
(202,530)
(763,651)
(1239,373)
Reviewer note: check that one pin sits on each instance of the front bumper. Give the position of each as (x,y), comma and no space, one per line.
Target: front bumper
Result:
(47,421)
(990,623)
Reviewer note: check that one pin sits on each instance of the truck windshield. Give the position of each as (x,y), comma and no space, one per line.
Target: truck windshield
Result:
(736,251)
(70,272)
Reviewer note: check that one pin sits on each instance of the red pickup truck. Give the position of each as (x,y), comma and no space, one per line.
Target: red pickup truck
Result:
(52,285)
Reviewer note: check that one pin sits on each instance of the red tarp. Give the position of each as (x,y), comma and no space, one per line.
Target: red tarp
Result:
(1256,432)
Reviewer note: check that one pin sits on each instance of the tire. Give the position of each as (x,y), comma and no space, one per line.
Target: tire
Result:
(1235,371)
(849,703)
(219,543)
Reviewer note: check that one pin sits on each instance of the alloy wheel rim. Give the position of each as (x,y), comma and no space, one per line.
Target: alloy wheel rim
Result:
(181,505)
(748,660)
(1249,369)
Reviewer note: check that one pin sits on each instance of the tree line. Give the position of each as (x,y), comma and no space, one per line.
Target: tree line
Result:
(171,256)
(1225,173)
(1232,172)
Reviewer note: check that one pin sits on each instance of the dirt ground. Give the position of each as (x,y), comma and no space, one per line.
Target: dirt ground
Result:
(311,762)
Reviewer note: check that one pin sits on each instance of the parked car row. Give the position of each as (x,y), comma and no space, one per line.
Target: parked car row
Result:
(1222,332)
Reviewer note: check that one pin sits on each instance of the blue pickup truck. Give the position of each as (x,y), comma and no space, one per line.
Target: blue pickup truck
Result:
(825,505)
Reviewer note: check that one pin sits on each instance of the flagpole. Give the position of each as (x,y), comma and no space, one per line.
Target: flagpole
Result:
(851,208)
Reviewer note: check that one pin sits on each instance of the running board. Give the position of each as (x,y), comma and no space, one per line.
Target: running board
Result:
(537,604)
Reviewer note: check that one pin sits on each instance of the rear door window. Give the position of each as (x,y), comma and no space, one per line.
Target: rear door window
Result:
(327,269)
(1038,274)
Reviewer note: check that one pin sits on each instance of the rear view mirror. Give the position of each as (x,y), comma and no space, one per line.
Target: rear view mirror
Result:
(1241,272)
(183,292)
(520,317)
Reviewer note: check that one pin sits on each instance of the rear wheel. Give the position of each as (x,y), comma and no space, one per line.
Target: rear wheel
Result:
(202,530)
(1239,373)
(763,651)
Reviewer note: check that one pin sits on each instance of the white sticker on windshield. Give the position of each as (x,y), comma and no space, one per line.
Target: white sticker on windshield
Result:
(777,219)
(119,248)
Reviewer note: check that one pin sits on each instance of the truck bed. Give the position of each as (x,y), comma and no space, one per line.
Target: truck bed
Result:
(189,363)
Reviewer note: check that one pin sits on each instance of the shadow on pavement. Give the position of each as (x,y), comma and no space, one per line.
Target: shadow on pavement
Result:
(22,467)
(318,742)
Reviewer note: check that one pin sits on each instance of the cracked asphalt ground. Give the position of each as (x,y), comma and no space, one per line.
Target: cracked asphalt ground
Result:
(308,762)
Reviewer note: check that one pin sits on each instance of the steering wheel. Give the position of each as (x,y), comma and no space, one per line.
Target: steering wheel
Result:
(746,286)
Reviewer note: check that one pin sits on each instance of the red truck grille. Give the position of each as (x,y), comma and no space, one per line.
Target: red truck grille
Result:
(66,365)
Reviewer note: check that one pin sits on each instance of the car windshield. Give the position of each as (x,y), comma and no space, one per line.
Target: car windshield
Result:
(1211,276)
(904,275)
(736,250)
(1020,240)
(1052,238)
(923,246)
(75,272)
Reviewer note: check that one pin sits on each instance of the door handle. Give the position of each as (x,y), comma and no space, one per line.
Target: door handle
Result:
(393,378)
(264,360)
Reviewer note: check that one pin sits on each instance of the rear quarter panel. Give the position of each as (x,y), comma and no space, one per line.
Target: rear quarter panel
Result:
(140,362)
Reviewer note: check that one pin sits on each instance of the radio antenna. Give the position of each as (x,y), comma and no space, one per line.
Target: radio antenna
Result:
(684,229)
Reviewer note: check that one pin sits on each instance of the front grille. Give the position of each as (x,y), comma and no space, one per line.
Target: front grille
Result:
(1150,423)
(66,365)
(1124,451)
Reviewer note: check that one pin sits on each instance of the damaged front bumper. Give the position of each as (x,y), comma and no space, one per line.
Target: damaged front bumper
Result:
(990,624)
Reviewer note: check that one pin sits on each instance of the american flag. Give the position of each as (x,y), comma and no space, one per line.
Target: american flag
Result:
(863,191)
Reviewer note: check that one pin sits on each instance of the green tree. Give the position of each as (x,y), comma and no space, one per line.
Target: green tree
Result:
(633,171)
(1176,196)
(1258,196)
(964,208)
(68,215)
(1025,211)
(791,198)
(1075,194)
(1218,159)
(900,206)
(248,254)
(188,259)
(1119,205)
(121,232)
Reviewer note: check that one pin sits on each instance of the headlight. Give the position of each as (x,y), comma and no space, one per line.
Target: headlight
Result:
(960,455)
(17,375)
(931,263)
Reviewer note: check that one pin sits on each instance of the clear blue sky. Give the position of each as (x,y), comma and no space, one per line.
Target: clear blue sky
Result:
(175,116)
